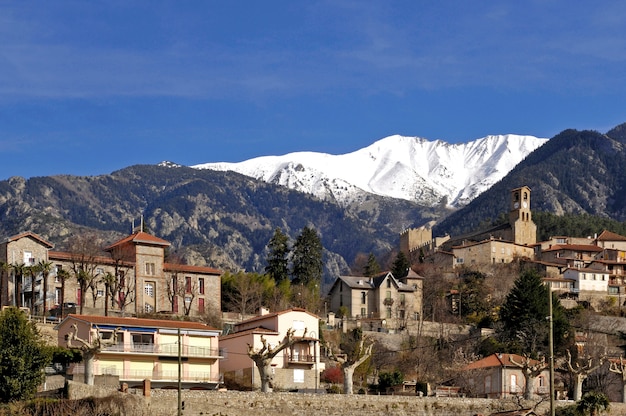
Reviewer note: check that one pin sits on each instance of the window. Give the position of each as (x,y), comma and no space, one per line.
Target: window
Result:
(488,384)
(513,388)
(57,278)
(363,297)
(100,293)
(388,313)
(388,283)
(201,285)
(402,299)
(99,270)
(149,289)
(388,294)
(148,308)
(150,269)
(298,325)
(143,339)
(188,284)
(28,258)
(363,312)
(298,375)
(201,305)
(57,296)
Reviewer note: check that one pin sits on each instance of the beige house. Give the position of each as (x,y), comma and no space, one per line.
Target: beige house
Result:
(381,297)
(295,368)
(148,349)
(491,251)
(133,272)
(498,376)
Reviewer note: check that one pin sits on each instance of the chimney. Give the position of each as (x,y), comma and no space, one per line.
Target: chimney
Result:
(263,311)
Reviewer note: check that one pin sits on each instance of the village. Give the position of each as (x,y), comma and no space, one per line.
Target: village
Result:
(141,326)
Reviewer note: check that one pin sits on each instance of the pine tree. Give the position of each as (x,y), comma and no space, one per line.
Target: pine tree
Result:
(307,265)
(401,265)
(23,356)
(278,256)
(371,268)
(524,317)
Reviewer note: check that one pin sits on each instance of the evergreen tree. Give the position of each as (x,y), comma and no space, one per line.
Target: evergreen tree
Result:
(23,356)
(401,266)
(307,265)
(371,268)
(278,256)
(524,317)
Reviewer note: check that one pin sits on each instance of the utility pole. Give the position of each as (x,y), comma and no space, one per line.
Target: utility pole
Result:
(180,367)
(551,346)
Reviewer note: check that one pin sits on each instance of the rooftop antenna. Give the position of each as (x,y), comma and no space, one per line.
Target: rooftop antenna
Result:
(141,229)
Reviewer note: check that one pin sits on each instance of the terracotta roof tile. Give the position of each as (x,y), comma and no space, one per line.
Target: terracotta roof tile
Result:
(31,235)
(139,237)
(610,236)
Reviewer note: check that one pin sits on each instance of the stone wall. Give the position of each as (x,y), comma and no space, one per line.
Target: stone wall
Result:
(235,403)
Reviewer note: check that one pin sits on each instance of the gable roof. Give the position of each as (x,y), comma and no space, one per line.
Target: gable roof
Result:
(575,247)
(276,314)
(610,236)
(138,322)
(374,282)
(32,235)
(139,237)
(497,360)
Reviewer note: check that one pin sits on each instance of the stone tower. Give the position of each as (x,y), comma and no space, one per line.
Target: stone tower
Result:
(523,228)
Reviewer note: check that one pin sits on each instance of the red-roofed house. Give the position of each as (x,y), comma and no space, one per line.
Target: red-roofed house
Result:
(610,240)
(295,368)
(497,376)
(147,349)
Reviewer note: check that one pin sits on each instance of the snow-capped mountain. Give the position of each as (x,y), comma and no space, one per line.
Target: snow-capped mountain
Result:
(410,168)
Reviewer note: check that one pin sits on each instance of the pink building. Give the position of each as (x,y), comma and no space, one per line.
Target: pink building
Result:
(295,368)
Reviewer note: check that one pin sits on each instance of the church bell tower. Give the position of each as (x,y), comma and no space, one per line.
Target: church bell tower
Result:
(524,230)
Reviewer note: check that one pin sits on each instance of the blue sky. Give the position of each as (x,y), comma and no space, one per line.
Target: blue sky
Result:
(87,88)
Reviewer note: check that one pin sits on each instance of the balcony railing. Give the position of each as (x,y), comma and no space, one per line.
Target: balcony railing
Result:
(193,376)
(165,349)
(301,358)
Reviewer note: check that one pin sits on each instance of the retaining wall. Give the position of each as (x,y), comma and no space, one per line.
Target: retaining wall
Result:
(236,403)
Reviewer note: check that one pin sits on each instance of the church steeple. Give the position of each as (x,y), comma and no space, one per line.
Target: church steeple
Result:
(520,218)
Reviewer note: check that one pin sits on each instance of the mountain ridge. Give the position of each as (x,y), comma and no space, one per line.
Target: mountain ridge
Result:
(411,168)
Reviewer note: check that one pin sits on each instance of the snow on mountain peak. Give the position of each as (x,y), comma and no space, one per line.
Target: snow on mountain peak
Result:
(411,168)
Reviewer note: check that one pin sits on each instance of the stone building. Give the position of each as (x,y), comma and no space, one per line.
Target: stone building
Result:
(133,271)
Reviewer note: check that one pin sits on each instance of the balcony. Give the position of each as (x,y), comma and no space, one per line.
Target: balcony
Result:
(138,375)
(301,359)
(166,349)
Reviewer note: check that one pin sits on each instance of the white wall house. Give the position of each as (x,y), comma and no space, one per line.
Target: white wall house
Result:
(586,279)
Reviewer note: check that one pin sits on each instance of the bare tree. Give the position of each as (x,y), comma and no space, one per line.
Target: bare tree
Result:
(580,370)
(359,351)
(187,290)
(264,356)
(85,250)
(531,369)
(619,367)
(89,348)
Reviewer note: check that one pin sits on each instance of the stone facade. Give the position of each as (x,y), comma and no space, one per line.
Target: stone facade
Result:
(142,281)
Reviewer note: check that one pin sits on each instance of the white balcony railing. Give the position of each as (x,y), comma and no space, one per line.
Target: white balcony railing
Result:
(165,349)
